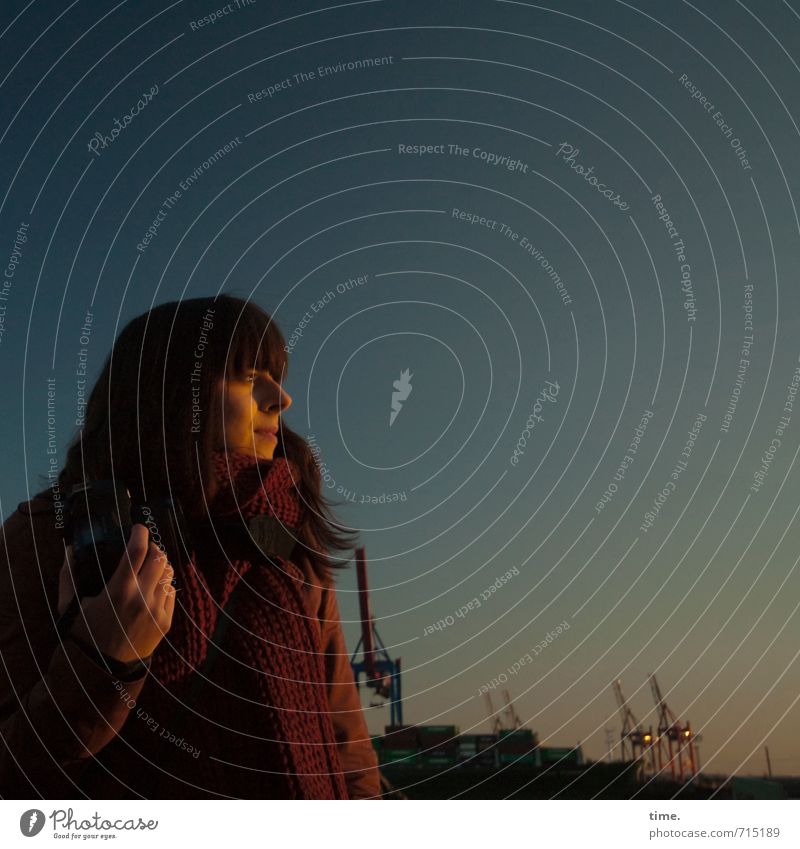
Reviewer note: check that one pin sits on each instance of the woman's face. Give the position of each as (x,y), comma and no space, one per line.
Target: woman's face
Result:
(252,403)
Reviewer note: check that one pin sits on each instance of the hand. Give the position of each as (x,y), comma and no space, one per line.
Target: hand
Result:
(133,612)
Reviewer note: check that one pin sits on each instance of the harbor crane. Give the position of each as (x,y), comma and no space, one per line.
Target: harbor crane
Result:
(514,721)
(636,744)
(494,716)
(380,671)
(675,743)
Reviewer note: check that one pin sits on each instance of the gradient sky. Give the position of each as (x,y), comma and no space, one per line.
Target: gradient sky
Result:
(317,191)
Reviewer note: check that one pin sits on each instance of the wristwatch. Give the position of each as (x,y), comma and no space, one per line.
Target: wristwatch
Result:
(129,670)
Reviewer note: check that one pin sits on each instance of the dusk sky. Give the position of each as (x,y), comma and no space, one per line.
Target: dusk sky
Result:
(574,224)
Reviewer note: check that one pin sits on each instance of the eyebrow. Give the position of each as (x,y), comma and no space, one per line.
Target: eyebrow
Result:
(258,371)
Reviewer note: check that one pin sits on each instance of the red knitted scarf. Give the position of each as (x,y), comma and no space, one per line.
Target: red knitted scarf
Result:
(261,723)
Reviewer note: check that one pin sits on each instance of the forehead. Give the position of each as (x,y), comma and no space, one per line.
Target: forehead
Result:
(260,349)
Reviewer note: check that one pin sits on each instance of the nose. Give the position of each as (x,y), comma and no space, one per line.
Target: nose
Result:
(274,396)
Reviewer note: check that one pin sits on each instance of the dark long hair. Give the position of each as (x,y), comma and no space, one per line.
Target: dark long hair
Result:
(153,414)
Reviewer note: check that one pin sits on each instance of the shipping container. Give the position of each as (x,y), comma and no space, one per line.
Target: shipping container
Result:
(482,759)
(405,756)
(433,751)
(515,745)
(530,759)
(566,757)
(401,737)
(437,735)
(390,730)
(518,741)
(439,761)
(452,730)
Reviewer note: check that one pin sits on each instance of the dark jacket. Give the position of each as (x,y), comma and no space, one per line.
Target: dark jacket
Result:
(60,708)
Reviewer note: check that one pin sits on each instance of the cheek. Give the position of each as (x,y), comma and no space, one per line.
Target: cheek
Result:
(238,413)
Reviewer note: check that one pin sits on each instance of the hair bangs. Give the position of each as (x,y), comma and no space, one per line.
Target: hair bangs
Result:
(257,344)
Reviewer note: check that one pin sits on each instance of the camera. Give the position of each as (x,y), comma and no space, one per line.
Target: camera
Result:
(98,522)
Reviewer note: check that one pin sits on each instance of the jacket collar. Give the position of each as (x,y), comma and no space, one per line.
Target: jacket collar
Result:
(38,504)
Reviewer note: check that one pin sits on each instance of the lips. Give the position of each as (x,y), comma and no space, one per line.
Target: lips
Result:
(267,431)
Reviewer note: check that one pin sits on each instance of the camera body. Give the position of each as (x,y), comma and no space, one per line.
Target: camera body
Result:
(99,518)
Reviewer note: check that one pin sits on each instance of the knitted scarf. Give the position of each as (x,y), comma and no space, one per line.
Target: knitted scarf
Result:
(261,722)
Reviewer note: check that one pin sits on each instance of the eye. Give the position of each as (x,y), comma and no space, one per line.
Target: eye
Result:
(254,376)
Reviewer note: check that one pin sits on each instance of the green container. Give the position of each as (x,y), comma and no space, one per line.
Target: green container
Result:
(440,760)
(377,742)
(452,730)
(565,756)
(407,756)
(520,760)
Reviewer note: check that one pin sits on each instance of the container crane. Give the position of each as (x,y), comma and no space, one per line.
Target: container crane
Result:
(514,721)
(675,743)
(633,739)
(494,716)
(380,671)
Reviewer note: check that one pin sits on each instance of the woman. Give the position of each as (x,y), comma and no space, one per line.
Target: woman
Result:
(224,674)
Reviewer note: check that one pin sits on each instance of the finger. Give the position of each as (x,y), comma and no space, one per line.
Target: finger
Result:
(136,550)
(164,586)
(170,594)
(132,558)
(152,570)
